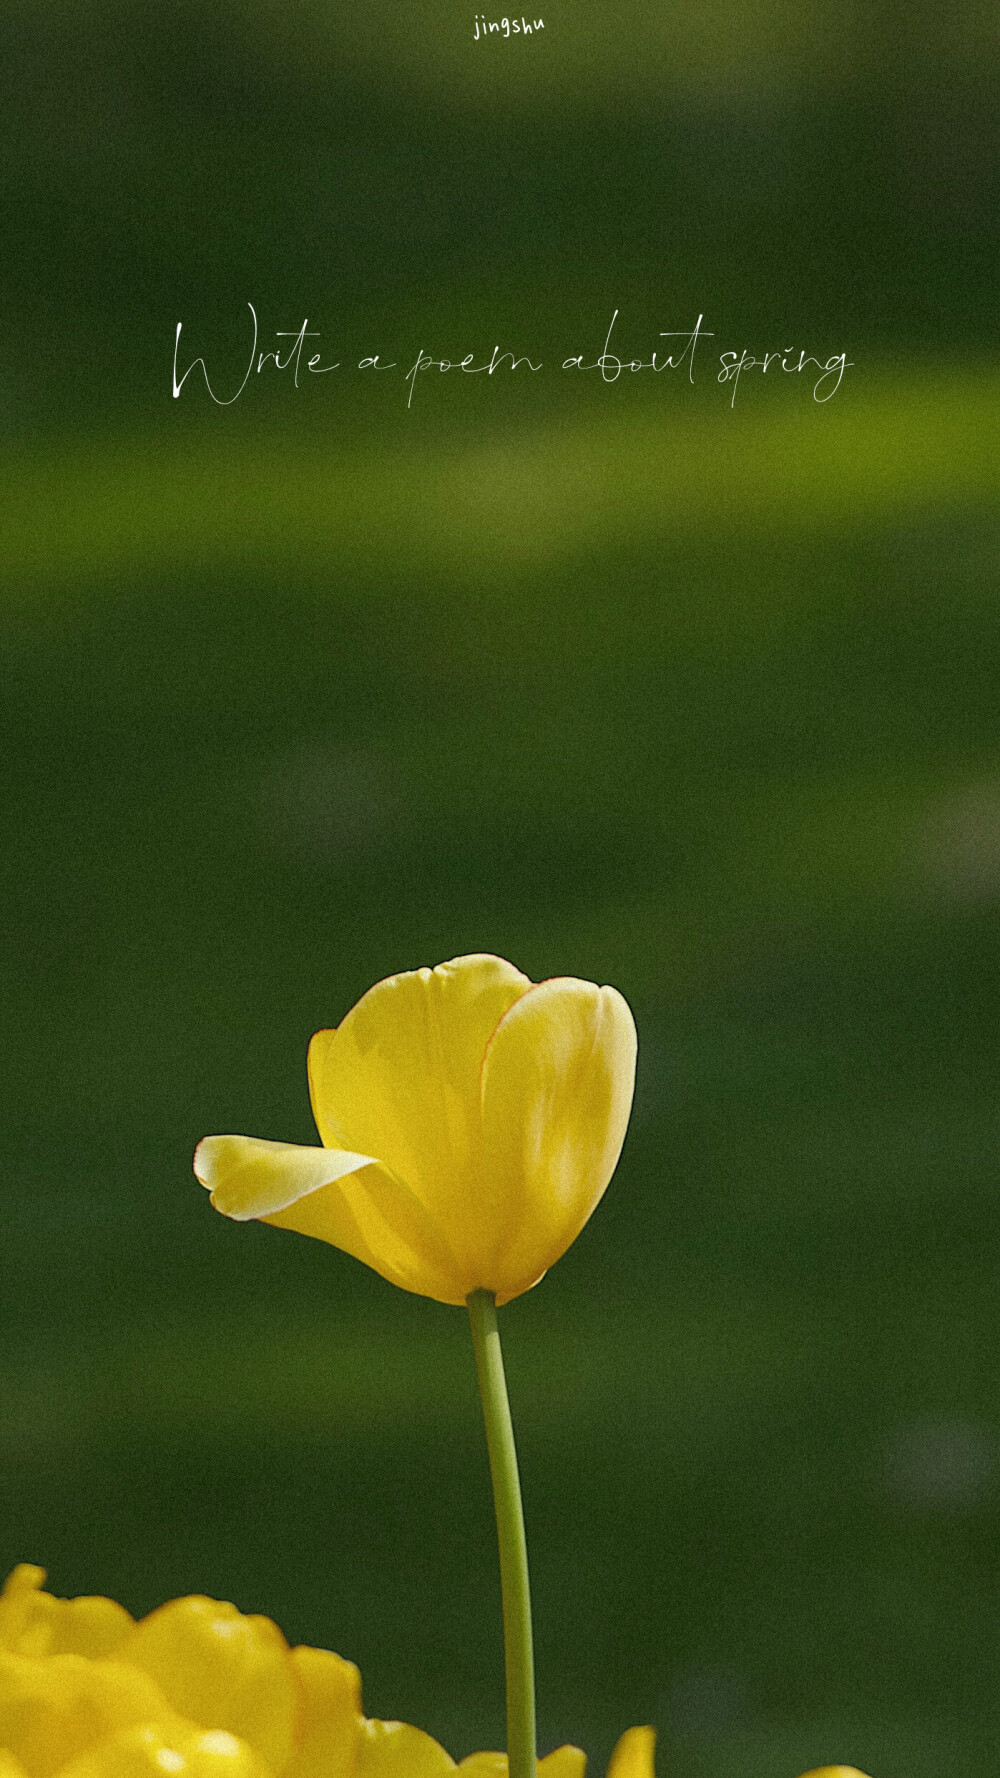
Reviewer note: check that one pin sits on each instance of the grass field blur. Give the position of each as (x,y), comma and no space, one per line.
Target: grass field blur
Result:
(621,683)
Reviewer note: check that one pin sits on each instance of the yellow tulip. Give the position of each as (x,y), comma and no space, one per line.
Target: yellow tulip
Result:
(470,1122)
(197,1690)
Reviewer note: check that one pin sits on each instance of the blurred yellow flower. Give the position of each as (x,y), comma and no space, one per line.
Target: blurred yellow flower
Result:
(470,1122)
(196,1690)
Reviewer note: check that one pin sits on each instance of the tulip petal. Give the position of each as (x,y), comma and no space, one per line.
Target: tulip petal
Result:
(33,1622)
(223,1670)
(249,1177)
(397,1750)
(563,1762)
(158,1749)
(330,1722)
(400,1078)
(484,1765)
(632,1756)
(311,1190)
(557,1085)
(834,1772)
(375,1217)
(54,1708)
(27,1613)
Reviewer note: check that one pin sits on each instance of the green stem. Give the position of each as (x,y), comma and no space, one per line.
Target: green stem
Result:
(518,1656)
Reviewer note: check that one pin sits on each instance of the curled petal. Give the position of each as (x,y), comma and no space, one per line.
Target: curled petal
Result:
(379,1220)
(633,1755)
(834,1772)
(557,1086)
(223,1670)
(396,1750)
(249,1177)
(336,1195)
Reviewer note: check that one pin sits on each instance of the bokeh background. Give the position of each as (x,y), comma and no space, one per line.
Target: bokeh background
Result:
(614,680)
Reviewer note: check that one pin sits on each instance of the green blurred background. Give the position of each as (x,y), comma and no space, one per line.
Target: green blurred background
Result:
(615,681)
